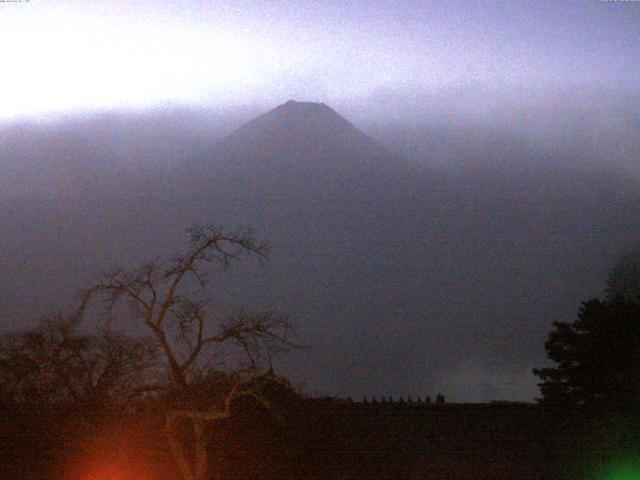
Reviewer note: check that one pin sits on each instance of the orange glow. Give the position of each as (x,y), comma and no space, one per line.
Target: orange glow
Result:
(123,451)
(114,473)
(117,472)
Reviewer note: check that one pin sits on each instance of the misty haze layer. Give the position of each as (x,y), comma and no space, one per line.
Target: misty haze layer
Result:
(405,279)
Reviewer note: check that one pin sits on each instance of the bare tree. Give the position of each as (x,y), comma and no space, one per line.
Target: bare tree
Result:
(55,365)
(171,299)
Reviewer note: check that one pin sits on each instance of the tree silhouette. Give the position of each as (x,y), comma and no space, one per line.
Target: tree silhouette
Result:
(171,299)
(624,279)
(597,357)
(55,366)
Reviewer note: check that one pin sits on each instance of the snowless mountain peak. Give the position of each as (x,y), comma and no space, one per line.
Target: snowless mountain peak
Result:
(297,133)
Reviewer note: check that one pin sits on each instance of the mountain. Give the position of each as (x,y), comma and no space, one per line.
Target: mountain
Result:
(295,137)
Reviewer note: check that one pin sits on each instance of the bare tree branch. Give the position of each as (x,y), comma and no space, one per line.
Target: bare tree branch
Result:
(168,298)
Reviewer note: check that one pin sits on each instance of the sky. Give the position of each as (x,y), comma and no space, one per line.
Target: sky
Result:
(65,56)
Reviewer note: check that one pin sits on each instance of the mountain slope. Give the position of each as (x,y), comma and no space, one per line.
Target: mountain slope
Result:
(295,136)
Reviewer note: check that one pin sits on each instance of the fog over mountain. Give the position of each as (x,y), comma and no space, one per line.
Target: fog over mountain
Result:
(417,257)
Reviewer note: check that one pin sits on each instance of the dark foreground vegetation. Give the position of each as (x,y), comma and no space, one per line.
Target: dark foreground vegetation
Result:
(197,398)
(321,439)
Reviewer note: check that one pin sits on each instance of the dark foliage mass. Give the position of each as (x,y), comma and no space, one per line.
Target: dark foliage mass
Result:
(56,382)
(591,395)
(598,358)
(624,280)
(79,405)
(56,366)
(316,439)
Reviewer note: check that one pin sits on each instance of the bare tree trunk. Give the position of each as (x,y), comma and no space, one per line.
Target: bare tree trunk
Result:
(197,468)
(200,448)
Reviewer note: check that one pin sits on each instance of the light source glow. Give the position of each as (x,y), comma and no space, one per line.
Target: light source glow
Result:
(65,62)
(622,471)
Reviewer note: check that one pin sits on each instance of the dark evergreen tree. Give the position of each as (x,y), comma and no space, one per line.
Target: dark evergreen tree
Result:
(597,357)
(624,279)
